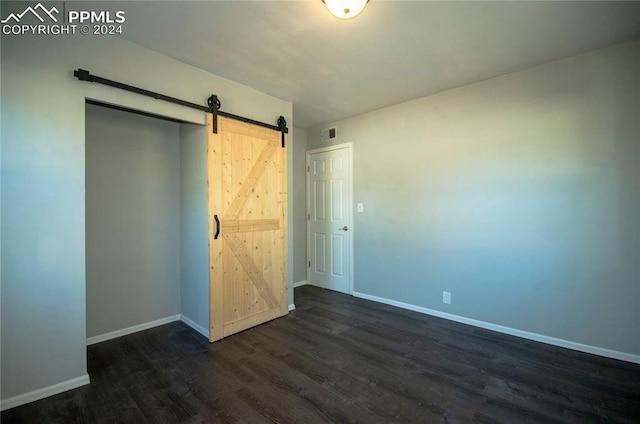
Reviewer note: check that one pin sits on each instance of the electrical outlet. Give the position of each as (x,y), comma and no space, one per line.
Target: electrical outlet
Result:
(446,297)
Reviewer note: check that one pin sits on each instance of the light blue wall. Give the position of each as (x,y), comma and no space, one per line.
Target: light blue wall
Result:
(194,213)
(298,218)
(520,195)
(132,219)
(43,191)
(43,233)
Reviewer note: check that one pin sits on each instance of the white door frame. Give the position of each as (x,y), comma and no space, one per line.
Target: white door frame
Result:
(348,146)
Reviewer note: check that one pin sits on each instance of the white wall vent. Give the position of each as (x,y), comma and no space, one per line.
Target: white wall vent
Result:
(329,134)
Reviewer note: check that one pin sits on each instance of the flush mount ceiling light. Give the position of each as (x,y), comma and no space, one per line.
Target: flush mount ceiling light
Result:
(345,9)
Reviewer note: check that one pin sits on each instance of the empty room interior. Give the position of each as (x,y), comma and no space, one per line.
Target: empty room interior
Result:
(320,211)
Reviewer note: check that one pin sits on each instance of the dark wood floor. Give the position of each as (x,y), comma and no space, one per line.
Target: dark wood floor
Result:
(341,359)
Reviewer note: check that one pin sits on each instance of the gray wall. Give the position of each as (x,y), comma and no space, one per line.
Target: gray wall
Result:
(43,187)
(299,221)
(194,212)
(520,195)
(132,219)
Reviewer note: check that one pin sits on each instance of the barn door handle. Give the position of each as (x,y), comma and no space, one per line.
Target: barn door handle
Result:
(215,217)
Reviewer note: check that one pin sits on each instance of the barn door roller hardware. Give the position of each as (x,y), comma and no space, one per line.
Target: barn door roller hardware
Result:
(213,103)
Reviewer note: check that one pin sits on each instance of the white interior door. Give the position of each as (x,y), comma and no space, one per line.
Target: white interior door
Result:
(329,215)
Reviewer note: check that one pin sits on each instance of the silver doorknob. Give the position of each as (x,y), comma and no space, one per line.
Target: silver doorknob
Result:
(345,228)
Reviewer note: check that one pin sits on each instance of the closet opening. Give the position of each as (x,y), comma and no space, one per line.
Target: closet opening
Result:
(146,222)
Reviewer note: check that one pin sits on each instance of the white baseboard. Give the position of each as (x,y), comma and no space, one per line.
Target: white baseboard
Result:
(300,283)
(191,323)
(130,330)
(43,392)
(623,356)
(292,307)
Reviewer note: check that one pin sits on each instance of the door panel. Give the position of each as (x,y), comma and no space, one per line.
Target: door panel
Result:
(320,196)
(337,196)
(329,183)
(320,249)
(337,249)
(247,193)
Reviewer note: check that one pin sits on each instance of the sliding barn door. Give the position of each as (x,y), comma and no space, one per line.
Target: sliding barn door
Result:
(247,226)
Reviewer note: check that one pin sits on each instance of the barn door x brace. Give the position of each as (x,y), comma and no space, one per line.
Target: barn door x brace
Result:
(213,102)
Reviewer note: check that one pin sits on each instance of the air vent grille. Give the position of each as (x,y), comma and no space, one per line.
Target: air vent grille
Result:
(329,134)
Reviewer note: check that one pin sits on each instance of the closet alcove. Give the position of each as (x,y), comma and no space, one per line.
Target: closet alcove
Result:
(146,222)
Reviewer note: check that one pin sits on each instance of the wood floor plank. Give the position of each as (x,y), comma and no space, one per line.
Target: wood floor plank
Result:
(343,360)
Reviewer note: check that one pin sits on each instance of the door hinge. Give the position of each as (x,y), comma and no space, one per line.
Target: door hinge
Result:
(308,168)
(308,216)
(309,264)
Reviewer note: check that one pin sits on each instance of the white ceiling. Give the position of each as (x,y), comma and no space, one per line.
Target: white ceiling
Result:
(393,52)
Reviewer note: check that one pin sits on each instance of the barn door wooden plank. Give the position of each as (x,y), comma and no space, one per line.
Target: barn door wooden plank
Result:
(246,260)
(249,225)
(249,182)
(214,178)
(247,189)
